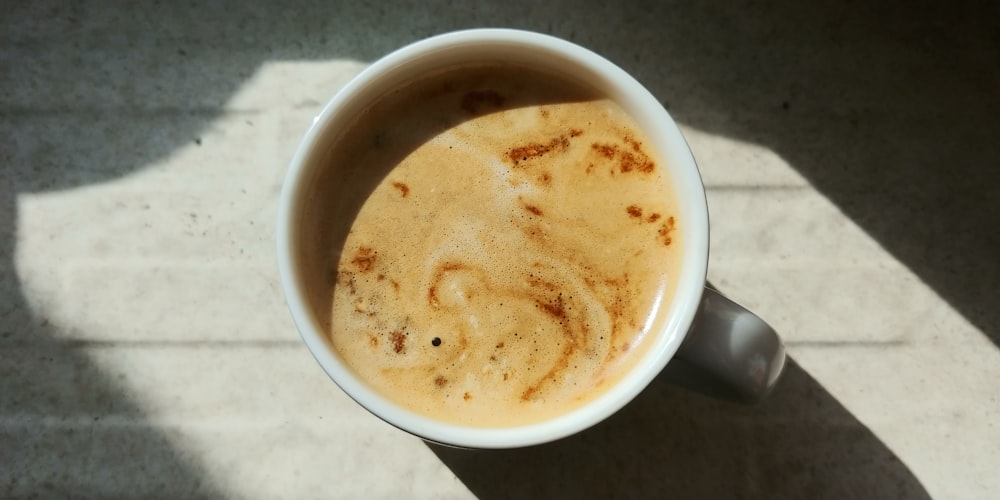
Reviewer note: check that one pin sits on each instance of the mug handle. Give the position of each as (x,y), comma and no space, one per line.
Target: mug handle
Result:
(728,353)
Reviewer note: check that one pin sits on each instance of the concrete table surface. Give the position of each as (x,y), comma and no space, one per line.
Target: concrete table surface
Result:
(852,158)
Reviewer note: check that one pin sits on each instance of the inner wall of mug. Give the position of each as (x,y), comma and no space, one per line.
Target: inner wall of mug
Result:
(509,47)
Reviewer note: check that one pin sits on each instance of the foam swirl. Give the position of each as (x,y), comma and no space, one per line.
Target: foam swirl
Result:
(508,266)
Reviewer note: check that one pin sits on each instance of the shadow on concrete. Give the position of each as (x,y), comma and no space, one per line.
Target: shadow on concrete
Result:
(75,84)
(891,111)
(670,443)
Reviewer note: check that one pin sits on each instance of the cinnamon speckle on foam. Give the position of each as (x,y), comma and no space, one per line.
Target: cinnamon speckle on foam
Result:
(629,157)
(398,339)
(364,259)
(403,188)
(532,209)
(536,150)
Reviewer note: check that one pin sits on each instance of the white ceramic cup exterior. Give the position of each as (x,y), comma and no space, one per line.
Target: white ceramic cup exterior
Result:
(483,45)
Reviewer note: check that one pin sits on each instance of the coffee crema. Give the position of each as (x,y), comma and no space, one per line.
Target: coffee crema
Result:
(490,246)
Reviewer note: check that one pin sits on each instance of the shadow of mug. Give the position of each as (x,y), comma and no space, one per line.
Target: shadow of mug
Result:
(669,442)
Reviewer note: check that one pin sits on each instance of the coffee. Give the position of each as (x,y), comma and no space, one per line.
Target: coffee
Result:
(490,245)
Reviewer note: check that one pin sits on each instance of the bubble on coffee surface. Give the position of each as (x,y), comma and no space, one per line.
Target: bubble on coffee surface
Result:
(509,267)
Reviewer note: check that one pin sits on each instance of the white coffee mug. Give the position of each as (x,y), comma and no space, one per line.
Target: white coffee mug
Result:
(707,342)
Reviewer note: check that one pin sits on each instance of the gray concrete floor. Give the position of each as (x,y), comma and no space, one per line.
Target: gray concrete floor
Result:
(852,158)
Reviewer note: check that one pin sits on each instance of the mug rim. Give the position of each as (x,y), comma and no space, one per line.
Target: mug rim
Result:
(658,126)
